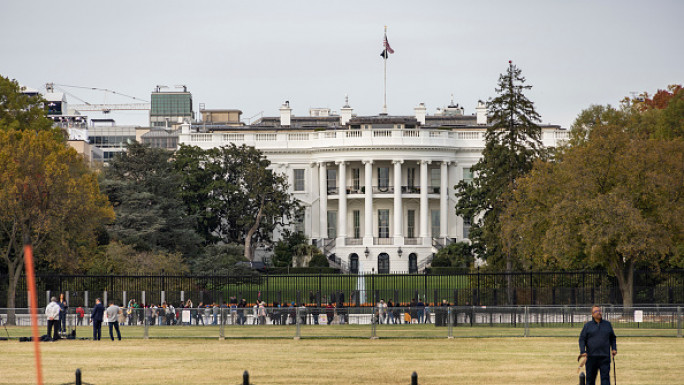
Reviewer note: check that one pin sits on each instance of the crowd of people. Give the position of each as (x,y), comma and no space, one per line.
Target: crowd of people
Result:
(239,312)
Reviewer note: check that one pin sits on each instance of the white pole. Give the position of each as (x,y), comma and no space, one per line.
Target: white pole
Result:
(384,104)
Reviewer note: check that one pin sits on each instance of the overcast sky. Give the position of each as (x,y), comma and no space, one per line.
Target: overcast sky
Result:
(253,55)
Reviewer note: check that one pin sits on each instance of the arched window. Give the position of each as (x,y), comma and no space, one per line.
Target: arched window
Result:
(383,263)
(413,263)
(354,263)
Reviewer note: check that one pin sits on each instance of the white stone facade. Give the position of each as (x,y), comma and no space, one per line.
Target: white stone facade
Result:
(385,183)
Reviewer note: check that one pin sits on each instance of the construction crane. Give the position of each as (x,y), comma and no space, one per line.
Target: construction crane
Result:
(102,107)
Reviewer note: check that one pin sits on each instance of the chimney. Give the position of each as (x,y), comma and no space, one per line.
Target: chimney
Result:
(285,113)
(420,113)
(345,112)
(481,111)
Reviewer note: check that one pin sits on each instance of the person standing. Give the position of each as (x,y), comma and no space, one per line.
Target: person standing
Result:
(597,342)
(80,313)
(96,319)
(52,311)
(62,314)
(113,320)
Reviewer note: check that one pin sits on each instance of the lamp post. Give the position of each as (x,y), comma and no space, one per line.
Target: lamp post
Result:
(366,252)
(400,251)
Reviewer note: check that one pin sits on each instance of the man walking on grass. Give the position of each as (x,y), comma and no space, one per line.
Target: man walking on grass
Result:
(597,343)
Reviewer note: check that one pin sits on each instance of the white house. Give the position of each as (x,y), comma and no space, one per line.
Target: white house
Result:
(378,191)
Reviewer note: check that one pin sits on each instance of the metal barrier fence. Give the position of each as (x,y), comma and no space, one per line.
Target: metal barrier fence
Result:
(484,289)
(361,322)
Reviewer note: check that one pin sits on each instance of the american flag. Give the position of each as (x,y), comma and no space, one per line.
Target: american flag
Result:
(388,50)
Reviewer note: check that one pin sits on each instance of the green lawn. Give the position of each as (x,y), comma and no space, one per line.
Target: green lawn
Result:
(501,360)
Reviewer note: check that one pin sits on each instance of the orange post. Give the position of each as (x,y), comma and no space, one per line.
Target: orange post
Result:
(28,260)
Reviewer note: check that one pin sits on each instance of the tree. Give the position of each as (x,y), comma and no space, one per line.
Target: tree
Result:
(285,248)
(457,254)
(222,260)
(48,197)
(145,190)
(615,200)
(512,143)
(21,112)
(197,178)
(247,200)
(120,259)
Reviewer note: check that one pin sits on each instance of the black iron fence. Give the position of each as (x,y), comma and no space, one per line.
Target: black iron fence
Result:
(468,289)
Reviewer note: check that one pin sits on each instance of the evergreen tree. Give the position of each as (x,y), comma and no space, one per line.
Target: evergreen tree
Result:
(145,192)
(512,143)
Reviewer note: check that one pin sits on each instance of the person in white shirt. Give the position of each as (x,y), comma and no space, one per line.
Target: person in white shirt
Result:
(52,313)
(113,320)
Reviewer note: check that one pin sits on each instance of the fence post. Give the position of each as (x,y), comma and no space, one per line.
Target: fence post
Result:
(85,300)
(245,378)
(298,329)
(414,378)
(679,321)
(222,323)
(78,377)
(146,332)
(374,321)
(450,327)
(527,322)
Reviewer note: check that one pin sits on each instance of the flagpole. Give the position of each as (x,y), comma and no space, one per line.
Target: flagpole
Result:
(384,100)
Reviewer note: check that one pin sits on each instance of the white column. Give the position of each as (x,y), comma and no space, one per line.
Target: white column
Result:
(424,202)
(398,209)
(323,200)
(342,204)
(443,209)
(368,208)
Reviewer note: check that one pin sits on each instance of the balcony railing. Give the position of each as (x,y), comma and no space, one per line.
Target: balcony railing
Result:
(413,241)
(353,241)
(383,189)
(383,241)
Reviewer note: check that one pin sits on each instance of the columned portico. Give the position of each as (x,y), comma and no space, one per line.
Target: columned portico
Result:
(368,203)
(342,203)
(398,207)
(323,200)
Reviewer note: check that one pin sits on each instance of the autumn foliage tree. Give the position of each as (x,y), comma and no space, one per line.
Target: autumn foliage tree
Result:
(613,199)
(48,196)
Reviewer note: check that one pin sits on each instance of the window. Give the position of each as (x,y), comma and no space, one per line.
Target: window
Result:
(299,179)
(411,223)
(383,178)
(466,227)
(383,223)
(299,222)
(383,263)
(411,179)
(467,175)
(332,181)
(435,180)
(356,180)
(354,263)
(413,263)
(356,218)
(332,224)
(434,215)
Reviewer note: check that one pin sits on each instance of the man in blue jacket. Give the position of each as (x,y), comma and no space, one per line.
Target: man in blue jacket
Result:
(96,319)
(597,343)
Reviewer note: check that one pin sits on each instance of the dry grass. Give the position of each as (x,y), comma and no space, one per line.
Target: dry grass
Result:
(335,361)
